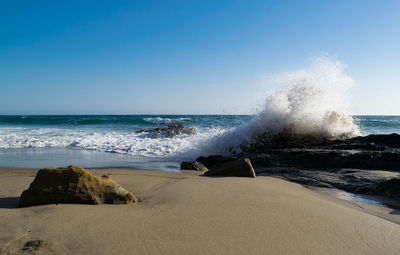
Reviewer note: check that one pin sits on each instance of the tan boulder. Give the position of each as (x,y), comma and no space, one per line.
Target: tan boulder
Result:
(73,185)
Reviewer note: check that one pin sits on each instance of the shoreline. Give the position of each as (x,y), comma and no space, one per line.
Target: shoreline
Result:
(378,201)
(184,213)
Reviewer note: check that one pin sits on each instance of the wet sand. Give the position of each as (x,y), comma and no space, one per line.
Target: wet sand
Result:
(184,213)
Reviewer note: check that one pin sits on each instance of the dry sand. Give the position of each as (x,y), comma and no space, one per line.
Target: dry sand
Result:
(184,213)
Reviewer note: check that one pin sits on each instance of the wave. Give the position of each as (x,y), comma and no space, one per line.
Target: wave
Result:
(111,141)
(160,120)
(311,103)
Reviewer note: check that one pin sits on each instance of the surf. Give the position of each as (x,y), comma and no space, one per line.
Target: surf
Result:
(310,103)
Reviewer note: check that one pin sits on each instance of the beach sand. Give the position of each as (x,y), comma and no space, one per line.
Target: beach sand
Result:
(184,213)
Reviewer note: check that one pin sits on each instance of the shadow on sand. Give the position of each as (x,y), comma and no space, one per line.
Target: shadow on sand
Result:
(9,202)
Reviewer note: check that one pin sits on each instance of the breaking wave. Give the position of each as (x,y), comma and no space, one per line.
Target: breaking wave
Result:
(311,103)
(160,120)
(112,141)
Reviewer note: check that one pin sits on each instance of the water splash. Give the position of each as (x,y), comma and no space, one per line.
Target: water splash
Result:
(311,103)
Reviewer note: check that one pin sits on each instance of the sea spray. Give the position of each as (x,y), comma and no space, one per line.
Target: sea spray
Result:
(311,103)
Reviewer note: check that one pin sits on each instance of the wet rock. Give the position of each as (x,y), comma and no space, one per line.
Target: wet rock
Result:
(347,164)
(351,180)
(195,165)
(280,141)
(388,188)
(169,131)
(75,185)
(327,159)
(240,168)
(391,140)
(215,160)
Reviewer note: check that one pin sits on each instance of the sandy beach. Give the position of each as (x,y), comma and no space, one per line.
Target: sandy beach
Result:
(185,213)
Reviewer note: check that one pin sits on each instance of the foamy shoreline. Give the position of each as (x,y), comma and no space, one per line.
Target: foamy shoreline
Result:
(184,213)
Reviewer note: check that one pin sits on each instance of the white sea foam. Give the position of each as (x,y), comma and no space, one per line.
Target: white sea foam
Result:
(119,142)
(159,120)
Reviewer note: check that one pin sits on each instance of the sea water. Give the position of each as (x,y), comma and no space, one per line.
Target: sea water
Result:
(111,141)
(309,102)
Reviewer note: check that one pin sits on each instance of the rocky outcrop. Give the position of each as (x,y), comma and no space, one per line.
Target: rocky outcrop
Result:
(239,168)
(370,142)
(195,165)
(347,164)
(351,180)
(369,152)
(75,185)
(215,160)
(309,158)
(169,131)
(388,188)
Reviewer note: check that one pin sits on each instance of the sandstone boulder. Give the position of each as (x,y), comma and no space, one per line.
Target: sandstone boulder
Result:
(195,165)
(73,185)
(240,168)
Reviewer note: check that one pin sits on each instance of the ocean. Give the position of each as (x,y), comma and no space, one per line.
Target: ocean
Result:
(36,141)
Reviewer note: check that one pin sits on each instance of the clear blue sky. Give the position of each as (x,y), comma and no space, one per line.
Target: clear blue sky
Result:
(132,57)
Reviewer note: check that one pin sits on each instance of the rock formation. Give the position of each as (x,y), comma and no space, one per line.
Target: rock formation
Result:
(368,152)
(347,164)
(169,131)
(75,185)
(388,188)
(240,168)
(195,165)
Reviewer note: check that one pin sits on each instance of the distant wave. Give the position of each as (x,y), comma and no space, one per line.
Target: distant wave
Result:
(160,120)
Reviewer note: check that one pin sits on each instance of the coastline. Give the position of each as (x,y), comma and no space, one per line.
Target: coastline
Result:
(184,213)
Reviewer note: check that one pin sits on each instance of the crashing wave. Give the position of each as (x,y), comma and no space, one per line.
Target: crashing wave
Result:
(312,103)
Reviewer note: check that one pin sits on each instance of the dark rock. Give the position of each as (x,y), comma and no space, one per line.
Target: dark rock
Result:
(354,180)
(195,165)
(33,245)
(169,131)
(214,160)
(391,140)
(347,164)
(370,142)
(240,168)
(388,188)
(75,185)
(327,159)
